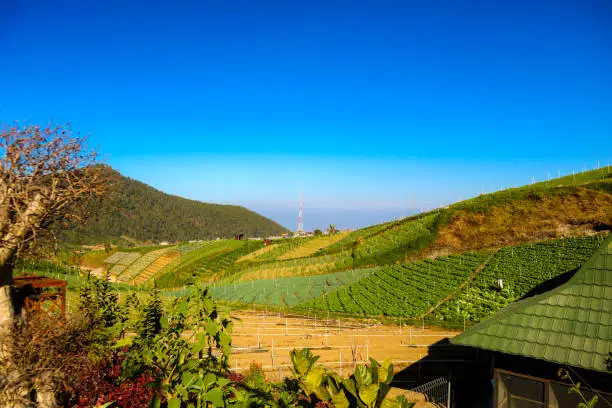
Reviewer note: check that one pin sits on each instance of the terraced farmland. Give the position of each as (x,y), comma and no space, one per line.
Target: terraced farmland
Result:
(277,249)
(522,268)
(286,291)
(313,246)
(151,270)
(401,290)
(294,267)
(395,243)
(142,262)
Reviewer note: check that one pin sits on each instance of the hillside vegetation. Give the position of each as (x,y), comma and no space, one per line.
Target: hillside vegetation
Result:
(141,212)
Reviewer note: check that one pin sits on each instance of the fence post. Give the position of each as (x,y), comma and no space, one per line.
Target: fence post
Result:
(272,352)
(280,373)
(448,396)
(422,323)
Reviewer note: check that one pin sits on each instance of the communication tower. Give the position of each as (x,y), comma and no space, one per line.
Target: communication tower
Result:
(300,228)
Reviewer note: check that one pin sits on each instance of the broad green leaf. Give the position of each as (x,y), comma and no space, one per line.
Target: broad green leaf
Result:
(215,396)
(314,378)
(350,386)
(211,328)
(363,376)
(368,394)
(339,400)
(174,403)
(322,393)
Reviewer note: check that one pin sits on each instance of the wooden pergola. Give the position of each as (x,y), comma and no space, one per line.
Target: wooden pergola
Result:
(42,296)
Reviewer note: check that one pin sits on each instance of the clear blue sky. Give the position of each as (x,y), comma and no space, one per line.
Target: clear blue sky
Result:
(373,109)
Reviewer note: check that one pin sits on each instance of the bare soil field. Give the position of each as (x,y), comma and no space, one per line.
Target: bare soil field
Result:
(267,338)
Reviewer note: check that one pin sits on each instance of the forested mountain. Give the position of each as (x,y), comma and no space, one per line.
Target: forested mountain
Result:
(140,212)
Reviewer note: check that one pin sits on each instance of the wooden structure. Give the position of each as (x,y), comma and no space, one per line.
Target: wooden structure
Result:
(41,296)
(239,237)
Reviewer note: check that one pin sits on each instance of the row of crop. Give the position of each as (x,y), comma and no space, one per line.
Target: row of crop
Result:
(402,290)
(361,234)
(179,270)
(395,243)
(313,246)
(222,264)
(295,267)
(141,263)
(522,269)
(285,291)
(278,248)
(122,258)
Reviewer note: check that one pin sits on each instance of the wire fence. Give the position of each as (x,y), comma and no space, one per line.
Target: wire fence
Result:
(438,391)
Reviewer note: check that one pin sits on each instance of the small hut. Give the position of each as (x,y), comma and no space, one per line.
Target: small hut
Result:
(568,327)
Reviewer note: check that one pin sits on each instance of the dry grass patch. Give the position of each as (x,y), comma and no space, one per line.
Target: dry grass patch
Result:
(519,221)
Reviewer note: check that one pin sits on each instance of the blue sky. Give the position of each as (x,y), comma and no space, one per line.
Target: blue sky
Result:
(373,109)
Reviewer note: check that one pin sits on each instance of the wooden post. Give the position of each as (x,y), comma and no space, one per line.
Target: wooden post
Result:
(272,352)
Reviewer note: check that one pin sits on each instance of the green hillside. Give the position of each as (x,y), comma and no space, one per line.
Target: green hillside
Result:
(141,212)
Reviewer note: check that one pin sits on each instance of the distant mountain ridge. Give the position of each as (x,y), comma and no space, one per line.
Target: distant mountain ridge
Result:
(138,211)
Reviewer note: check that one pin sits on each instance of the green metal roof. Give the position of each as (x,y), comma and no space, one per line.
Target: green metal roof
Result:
(571,324)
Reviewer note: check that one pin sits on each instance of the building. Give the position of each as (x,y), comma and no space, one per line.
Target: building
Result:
(567,327)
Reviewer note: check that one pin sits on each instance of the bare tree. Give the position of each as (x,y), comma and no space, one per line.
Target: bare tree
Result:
(44,173)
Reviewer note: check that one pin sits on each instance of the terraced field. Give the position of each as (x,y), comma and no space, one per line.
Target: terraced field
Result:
(407,290)
(397,242)
(313,246)
(294,267)
(286,291)
(522,268)
(142,262)
(154,268)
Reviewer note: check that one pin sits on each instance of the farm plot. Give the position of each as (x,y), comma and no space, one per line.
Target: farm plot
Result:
(141,263)
(522,268)
(204,261)
(267,339)
(122,258)
(312,246)
(396,242)
(286,291)
(295,267)
(401,290)
(277,249)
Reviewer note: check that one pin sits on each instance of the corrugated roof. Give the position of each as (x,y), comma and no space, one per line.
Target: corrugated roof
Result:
(571,324)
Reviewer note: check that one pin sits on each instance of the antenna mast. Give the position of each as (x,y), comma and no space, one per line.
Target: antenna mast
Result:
(300,228)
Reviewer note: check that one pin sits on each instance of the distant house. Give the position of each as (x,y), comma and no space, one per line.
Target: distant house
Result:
(164,243)
(239,237)
(567,327)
